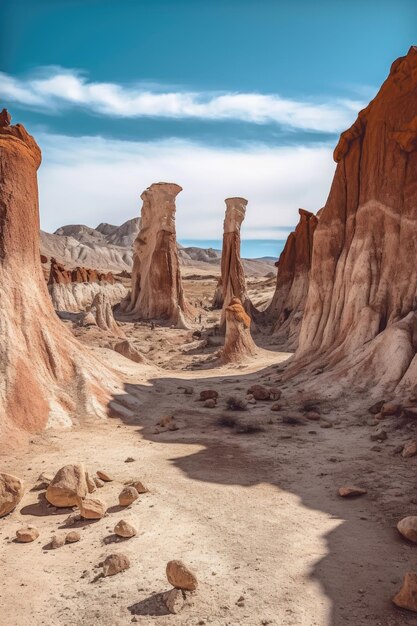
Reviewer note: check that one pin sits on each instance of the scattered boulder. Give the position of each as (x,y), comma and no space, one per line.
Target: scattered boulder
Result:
(104,476)
(138,485)
(312,416)
(293,419)
(410,449)
(390,408)
(98,482)
(72,537)
(276,406)
(376,408)
(274,393)
(209,394)
(127,496)
(408,527)
(180,576)
(260,392)
(114,564)
(406,598)
(92,508)
(68,485)
(174,600)
(124,529)
(11,492)
(126,349)
(379,435)
(351,491)
(210,404)
(27,534)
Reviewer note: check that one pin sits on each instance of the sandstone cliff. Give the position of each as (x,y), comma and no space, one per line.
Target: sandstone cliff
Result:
(360,321)
(46,377)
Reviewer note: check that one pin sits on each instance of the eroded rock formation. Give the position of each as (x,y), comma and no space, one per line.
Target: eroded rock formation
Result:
(232,283)
(360,320)
(46,376)
(157,291)
(102,312)
(74,290)
(287,306)
(238,343)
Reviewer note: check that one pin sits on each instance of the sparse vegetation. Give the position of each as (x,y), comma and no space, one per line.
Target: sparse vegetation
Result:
(234,403)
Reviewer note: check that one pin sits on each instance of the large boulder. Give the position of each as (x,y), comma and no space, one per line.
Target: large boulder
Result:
(68,486)
(11,492)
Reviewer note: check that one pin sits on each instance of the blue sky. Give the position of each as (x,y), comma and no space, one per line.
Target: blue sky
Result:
(230,97)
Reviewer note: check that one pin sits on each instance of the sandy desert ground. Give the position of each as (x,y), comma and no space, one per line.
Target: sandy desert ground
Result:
(249,501)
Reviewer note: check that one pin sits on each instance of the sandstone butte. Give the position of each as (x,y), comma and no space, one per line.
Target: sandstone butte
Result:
(360,320)
(157,291)
(287,306)
(46,376)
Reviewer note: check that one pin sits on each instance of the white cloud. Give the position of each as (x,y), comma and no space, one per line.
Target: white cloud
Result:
(56,88)
(89,180)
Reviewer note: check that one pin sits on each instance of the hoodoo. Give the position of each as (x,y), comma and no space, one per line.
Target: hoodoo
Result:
(157,291)
(46,376)
(287,305)
(232,283)
(360,320)
(238,343)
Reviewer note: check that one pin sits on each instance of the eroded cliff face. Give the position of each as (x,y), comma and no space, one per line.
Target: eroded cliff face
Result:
(232,283)
(287,306)
(46,376)
(157,291)
(360,320)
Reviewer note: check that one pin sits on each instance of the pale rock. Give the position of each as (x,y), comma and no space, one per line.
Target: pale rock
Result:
(11,492)
(174,600)
(92,508)
(114,564)
(68,485)
(408,527)
(127,496)
(351,491)
(124,529)
(27,534)
(406,598)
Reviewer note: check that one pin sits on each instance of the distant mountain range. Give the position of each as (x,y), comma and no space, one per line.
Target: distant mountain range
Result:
(109,248)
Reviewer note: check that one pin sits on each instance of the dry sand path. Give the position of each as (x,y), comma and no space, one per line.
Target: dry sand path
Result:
(256,515)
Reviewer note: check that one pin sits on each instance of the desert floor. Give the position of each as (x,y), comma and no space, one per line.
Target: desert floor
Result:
(251,507)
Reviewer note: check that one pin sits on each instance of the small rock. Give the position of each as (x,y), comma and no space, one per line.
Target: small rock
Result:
(72,537)
(130,459)
(174,600)
(292,418)
(124,529)
(91,485)
(351,491)
(165,421)
(276,406)
(127,496)
(408,527)
(57,541)
(138,485)
(188,390)
(274,393)
(260,392)
(92,508)
(312,415)
(325,424)
(209,394)
(376,408)
(406,598)
(390,408)
(115,563)
(210,404)
(98,482)
(180,576)
(27,534)
(104,476)
(410,449)
(11,492)
(379,435)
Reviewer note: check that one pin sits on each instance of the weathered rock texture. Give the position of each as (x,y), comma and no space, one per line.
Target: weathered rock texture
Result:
(360,320)
(232,283)
(238,343)
(157,291)
(46,376)
(287,305)
(102,312)
(74,290)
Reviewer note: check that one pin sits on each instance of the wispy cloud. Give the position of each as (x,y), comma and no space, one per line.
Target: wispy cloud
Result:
(89,180)
(54,88)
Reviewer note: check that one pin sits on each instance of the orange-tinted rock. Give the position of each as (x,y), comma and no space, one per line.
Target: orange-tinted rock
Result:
(287,305)
(238,342)
(157,291)
(360,319)
(60,275)
(47,376)
(44,259)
